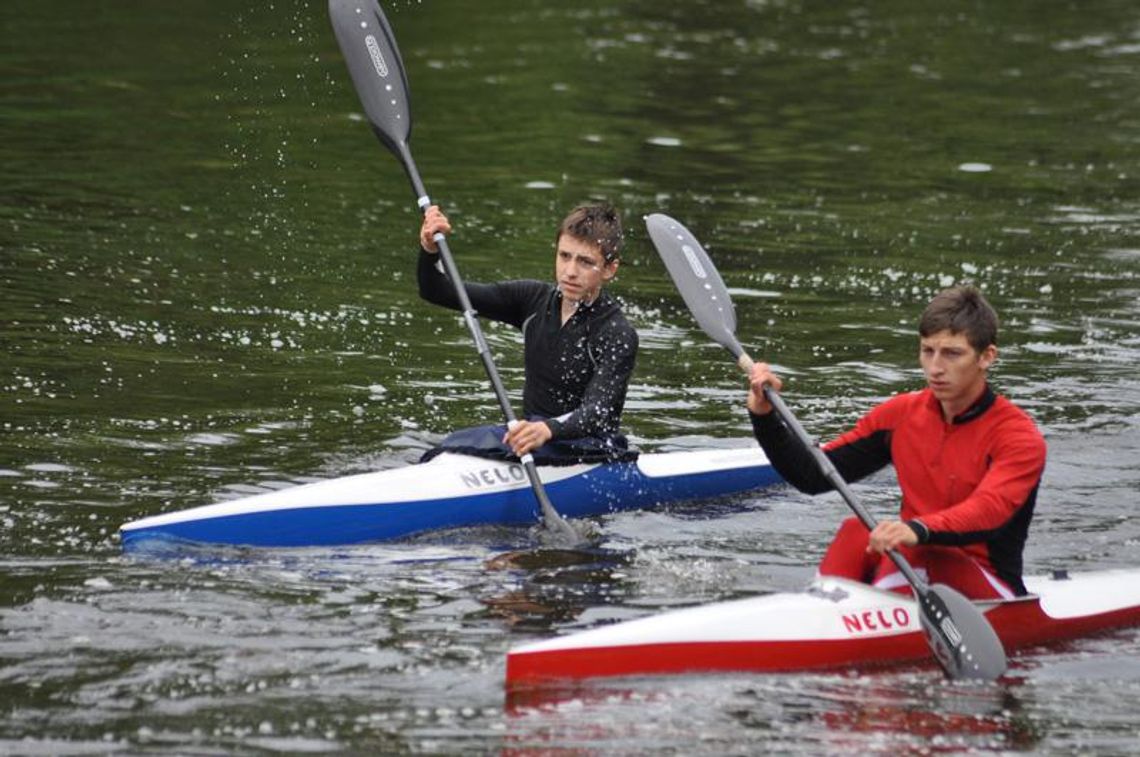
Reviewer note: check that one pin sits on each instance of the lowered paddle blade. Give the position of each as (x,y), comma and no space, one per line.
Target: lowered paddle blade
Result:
(696,278)
(963,641)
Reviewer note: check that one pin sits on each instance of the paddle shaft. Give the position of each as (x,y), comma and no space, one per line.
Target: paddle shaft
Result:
(960,637)
(943,627)
(377,71)
(720,324)
(827,468)
(982,657)
(470,317)
(832,475)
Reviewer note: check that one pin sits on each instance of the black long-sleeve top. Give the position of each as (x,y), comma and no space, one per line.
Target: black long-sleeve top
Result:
(577,373)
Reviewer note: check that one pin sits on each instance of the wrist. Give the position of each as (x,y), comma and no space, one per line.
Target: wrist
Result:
(759,412)
(921,532)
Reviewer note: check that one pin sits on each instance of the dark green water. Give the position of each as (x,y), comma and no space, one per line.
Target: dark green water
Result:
(206,267)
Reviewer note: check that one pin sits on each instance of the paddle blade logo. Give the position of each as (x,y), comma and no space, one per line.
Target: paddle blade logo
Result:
(950,631)
(377,56)
(694,261)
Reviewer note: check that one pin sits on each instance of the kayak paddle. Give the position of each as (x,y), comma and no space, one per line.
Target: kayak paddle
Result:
(962,640)
(377,72)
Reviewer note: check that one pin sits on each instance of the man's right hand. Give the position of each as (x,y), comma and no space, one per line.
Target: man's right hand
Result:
(760,376)
(435,222)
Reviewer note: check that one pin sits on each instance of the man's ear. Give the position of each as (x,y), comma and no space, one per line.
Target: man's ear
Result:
(609,270)
(988,357)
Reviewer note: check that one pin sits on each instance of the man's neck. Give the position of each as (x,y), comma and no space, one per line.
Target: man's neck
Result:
(570,307)
(951,409)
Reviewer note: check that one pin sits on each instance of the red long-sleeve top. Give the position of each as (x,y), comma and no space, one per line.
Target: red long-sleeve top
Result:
(971,482)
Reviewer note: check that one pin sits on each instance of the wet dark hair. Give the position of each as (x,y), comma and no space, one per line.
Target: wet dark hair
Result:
(598,224)
(961,310)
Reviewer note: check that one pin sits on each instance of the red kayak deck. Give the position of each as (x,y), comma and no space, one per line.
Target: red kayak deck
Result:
(834,624)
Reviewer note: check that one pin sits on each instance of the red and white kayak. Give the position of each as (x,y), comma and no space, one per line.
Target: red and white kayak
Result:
(834,623)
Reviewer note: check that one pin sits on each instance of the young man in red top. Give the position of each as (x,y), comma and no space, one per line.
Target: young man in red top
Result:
(968,462)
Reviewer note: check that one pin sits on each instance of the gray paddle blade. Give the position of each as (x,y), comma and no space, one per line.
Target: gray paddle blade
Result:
(696,278)
(963,641)
(374,63)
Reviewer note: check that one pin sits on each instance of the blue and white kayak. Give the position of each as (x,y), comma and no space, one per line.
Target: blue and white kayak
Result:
(452,491)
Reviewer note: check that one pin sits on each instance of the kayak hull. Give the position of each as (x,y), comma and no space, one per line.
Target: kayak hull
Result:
(834,624)
(451,491)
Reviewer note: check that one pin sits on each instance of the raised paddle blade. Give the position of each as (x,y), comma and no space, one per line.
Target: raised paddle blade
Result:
(377,71)
(696,278)
(369,48)
(963,641)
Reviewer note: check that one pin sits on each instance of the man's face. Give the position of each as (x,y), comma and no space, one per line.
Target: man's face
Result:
(580,268)
(954,370)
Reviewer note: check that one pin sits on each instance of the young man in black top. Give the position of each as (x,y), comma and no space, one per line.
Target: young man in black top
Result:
(579,348)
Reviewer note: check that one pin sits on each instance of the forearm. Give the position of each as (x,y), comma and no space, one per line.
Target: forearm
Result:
(587,419)
(855,459)
(794,462)
(435,286)
(505,301)
(599,413)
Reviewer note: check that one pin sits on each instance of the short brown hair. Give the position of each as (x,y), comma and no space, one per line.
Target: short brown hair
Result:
(961,310)
(598,224)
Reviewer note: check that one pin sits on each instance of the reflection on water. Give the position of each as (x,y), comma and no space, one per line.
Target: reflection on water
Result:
(206,264)
(833,713)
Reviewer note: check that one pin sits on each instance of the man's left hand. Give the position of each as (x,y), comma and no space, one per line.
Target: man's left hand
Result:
(889,534)
(526,436)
